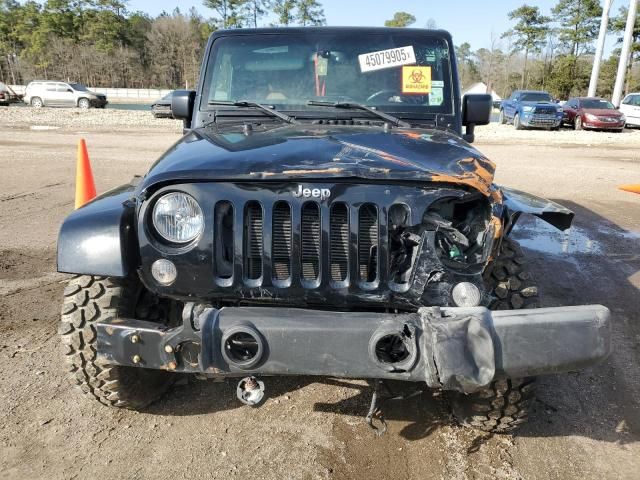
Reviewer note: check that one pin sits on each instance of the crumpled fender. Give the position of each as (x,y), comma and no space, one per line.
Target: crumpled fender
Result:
(518,202)
(99,238)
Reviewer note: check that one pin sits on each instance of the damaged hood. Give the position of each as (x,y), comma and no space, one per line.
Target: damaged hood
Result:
(319,152)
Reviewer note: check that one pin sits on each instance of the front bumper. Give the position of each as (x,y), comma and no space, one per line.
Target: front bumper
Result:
(460,349)
(98,102)
(603,125)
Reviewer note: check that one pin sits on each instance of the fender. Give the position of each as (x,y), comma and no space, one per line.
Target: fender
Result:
(518,202)
(99,238)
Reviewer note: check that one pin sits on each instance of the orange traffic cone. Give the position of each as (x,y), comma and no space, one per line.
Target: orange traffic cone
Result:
(85,188)
(630,188)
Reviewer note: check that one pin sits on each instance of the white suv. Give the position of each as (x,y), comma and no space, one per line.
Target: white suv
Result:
(40,93)
(630,106)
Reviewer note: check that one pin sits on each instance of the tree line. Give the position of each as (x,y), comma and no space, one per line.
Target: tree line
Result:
(102,43)
(551,52)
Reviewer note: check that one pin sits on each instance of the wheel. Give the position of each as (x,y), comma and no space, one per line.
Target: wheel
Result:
(504,404)
(516,122)
(88,300)
(502,119)
(83,103)
(577,123)
(36,102)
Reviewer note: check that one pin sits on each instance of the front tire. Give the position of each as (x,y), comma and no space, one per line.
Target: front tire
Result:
(504,404)
(84,103)
(516,122)
(88,300)
(577,123)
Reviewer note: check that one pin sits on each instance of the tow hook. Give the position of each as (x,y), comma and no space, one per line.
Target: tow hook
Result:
(250,391)
(377,401)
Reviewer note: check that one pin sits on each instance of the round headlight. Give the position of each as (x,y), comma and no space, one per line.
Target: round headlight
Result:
(177,217)
(466,294)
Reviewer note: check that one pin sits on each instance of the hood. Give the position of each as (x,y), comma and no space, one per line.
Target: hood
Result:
(309,151)
(602,112)
(546,104)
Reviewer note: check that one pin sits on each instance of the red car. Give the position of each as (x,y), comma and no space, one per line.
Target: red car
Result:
(594,113)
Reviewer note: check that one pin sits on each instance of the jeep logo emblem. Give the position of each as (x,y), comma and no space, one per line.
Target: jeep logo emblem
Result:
(321,193)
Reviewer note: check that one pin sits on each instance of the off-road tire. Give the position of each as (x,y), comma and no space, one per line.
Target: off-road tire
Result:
(504,404)
(87,300)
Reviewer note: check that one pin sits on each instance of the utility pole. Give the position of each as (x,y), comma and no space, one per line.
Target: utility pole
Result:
(595,71)
(624,54)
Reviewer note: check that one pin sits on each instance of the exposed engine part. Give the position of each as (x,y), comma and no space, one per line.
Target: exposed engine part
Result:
(463,230)
(402,244)
(250,391)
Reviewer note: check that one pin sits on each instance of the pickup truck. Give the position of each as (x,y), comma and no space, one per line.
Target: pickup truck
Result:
(529,108)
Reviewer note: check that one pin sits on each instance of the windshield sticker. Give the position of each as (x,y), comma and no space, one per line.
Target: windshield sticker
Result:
(382,59)
(436,97)
(416,80)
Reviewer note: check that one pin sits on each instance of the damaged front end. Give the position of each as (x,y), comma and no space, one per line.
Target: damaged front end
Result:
(370,246)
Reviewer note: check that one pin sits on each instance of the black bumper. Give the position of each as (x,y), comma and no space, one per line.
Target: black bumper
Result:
(451,348)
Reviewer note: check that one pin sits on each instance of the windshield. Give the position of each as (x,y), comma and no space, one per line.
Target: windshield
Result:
(536,97)
(597,103)
(79,87)
(392,71)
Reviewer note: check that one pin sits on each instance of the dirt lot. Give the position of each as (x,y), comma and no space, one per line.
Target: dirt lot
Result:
(584,425)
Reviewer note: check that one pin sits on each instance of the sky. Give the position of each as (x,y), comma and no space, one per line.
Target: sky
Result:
(470,21)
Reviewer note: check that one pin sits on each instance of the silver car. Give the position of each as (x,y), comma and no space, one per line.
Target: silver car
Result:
(42,93)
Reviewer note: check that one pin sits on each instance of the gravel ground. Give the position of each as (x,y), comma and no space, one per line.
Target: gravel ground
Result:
(584,426)
(496,133)
(74,118)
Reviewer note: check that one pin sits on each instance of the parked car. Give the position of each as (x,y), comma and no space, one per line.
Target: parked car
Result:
(289,232)
(630,107)
(7,95)
(44,93)
(593,113)
(162,108)
(531,108)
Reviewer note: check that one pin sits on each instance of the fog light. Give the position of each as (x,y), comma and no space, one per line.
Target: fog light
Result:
(466,294)
(164,271)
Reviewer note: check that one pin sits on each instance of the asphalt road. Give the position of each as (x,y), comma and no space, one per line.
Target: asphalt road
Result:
(584,425)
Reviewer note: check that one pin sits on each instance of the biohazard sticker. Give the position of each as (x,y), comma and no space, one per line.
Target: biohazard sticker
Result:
(416,79)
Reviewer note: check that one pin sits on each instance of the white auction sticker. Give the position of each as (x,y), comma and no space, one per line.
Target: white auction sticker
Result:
(393,57)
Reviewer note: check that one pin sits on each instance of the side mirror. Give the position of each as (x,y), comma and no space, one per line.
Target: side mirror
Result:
(182,102)
(476,110)
(70,90)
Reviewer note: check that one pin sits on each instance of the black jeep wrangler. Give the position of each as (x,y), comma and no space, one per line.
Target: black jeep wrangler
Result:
(323,214)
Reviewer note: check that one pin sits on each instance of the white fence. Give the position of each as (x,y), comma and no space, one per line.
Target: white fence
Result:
(120,94)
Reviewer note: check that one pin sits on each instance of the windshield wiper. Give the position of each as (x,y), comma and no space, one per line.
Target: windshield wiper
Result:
(358,106)
(265,108)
